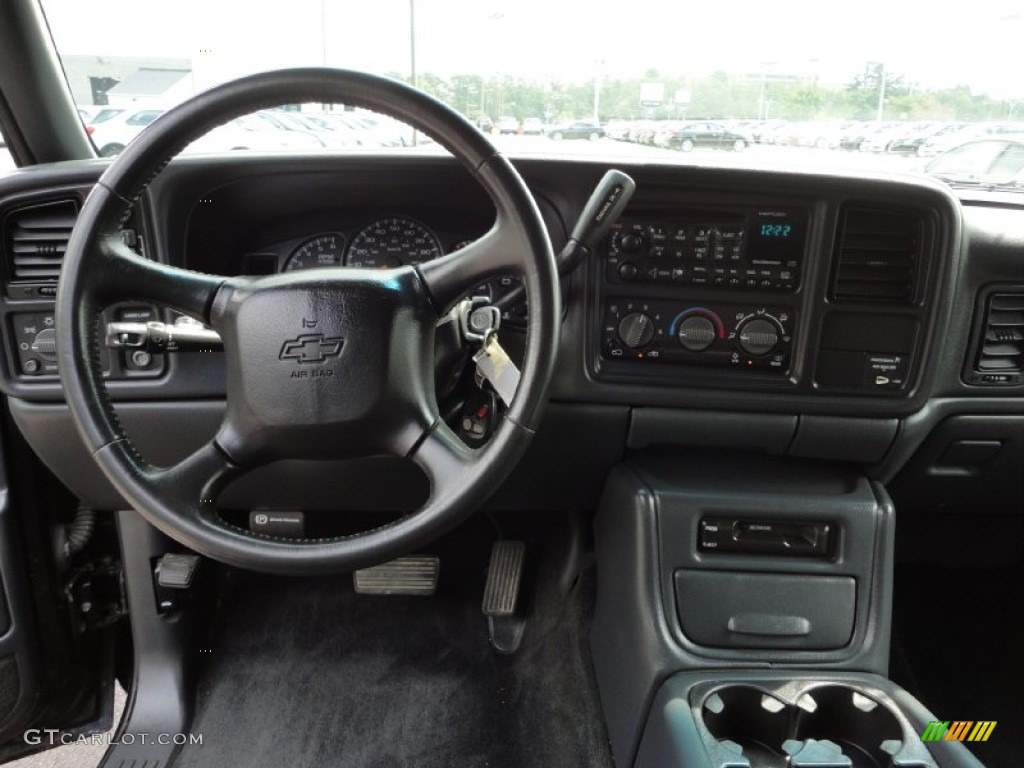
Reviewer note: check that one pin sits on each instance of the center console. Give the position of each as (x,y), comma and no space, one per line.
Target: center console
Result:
(743,617)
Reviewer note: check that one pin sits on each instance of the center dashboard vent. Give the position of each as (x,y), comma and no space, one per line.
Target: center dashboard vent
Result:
(35,239)
(878,256)
(1001,351)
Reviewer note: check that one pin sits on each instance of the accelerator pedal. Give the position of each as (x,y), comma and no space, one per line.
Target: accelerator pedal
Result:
(412,575)
(504,577)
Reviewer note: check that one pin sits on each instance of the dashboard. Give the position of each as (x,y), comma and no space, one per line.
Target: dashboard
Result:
(806,314)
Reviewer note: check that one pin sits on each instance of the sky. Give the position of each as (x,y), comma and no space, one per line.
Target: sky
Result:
(933,44)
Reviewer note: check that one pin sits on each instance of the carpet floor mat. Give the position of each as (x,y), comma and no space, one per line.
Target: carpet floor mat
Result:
(304,672)
(957,647)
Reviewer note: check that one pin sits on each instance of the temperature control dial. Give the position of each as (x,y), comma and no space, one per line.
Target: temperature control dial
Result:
(758,336)
(696,333)
(636,330)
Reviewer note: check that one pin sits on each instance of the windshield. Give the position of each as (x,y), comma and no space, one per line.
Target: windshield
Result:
(880,86)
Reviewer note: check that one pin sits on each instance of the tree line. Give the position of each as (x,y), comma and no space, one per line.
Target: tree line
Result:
(720,95)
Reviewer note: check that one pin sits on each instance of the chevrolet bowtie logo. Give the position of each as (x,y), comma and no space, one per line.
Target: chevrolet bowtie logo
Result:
(311,348)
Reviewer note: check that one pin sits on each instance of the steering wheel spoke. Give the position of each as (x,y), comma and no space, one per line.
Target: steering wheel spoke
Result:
(448,463)
(126,275)
(451,277)
(199,477)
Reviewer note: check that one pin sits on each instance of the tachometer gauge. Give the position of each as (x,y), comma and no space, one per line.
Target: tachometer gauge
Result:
(389,243)
(320,251)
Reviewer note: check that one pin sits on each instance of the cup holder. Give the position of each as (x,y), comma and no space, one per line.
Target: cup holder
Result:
(752,719)
(805,724)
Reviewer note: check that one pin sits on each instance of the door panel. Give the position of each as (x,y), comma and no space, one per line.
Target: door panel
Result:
(55,672)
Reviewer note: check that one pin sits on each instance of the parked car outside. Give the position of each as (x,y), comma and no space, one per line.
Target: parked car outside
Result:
(706,135)
(508,125)
(579,129)
(940,143)
(667,129)
(998,160)
(617,129)
(882,137)
(333,135)
(345,134)
(113,134)
(761,130)
(374,130)
(533,126)
(104,114)
(916,135)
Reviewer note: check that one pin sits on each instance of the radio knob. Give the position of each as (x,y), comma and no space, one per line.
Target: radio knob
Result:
(696,333)
(636,330)
(627,272)
(758,336)
(630,242)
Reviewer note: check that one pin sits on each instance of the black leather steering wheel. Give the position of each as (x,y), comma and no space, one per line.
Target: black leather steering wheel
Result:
(370,391)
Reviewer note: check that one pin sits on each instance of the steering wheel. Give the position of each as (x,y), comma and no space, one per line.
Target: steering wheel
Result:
(369,389)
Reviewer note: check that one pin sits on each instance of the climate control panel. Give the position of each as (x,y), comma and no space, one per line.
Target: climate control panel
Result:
(742,336)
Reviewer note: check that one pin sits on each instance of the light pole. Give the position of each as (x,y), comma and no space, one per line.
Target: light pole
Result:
(881,91)
(597,91)
(412,58)
(763,104)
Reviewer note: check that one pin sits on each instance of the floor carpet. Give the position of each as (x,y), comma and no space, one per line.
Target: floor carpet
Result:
(307,673)
(957,647)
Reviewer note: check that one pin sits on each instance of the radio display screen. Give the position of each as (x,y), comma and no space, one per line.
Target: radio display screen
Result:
(776,237)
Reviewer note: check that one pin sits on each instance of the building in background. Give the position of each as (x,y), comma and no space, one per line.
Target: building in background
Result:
(129,81)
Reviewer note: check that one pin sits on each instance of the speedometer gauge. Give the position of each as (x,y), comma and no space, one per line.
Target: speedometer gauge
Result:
(389,243)
(321,251)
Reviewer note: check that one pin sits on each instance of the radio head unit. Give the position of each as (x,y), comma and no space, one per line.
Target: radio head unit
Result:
(734,248)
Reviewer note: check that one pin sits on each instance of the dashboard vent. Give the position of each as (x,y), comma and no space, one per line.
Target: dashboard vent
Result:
(35,238)
(878,256)
(1001,356)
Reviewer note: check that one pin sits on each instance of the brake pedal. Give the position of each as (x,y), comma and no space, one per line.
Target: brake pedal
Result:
(412,575)
(504,578)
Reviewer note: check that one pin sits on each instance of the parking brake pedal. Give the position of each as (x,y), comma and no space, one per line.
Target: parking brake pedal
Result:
(413,575)
(174,574)
(504,576)
(176,571)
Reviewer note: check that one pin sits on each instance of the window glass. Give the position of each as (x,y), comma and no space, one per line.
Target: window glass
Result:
(890,88)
